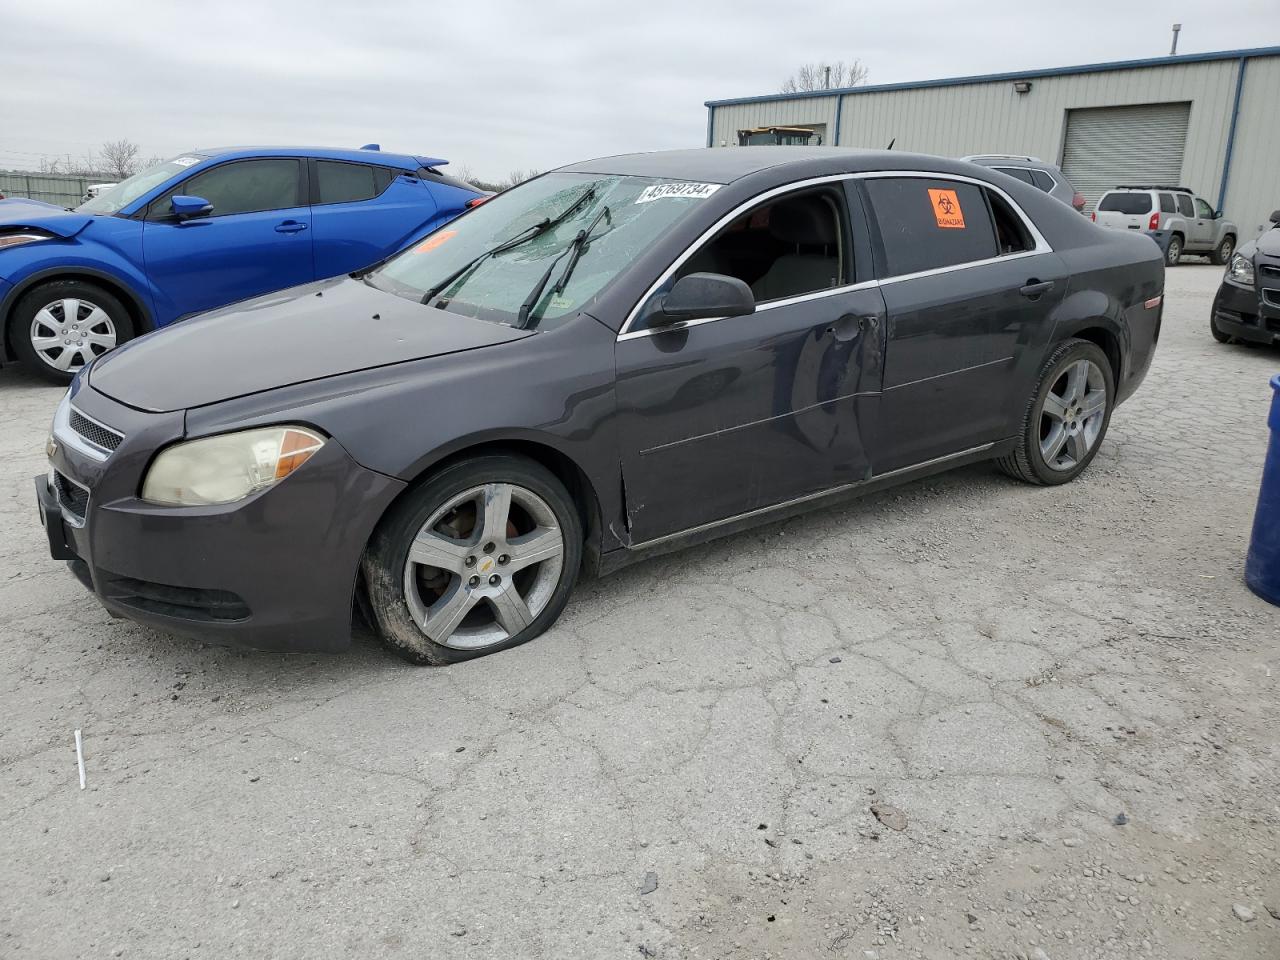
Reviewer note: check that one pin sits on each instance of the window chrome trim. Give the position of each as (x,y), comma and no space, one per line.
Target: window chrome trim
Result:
(1041,246)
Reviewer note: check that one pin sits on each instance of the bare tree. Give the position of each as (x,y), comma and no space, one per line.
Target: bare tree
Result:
(120,158)
(822,75)
(517,177)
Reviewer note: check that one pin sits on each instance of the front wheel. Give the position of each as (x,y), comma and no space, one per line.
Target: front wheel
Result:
(1219,334)
(480,558)
(1066,417)
(60,326)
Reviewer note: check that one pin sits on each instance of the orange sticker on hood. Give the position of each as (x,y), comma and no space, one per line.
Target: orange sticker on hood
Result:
(433,241)
(946,209)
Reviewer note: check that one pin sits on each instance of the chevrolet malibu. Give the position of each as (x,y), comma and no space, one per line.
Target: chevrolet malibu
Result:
(613,360)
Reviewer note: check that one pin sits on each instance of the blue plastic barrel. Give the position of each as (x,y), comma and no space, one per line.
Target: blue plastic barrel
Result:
(1262,567)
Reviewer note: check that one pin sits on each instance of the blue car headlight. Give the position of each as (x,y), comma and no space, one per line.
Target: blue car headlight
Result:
(21,237)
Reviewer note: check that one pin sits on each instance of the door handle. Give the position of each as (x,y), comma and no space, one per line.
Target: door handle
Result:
(1034,288)
(848,327)
(290,226)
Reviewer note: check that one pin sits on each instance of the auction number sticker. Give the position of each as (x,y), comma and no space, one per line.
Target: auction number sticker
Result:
(946,209)
(187,161)
(687,191)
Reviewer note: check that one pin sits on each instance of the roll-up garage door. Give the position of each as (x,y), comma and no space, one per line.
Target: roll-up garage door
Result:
(1112,145)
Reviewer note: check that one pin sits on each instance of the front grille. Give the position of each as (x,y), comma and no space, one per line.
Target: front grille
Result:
(94,432)
(73,498)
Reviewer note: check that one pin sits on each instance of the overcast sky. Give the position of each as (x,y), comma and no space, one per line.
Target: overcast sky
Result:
(493,85)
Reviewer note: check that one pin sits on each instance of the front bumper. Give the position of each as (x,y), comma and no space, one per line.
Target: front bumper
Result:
(274,571)
(1241,313)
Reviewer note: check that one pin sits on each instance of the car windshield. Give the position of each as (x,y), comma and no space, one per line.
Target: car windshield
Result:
(127,191)
(1126,203)
(630,214)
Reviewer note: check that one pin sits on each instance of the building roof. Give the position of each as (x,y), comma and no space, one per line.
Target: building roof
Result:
(1017,75)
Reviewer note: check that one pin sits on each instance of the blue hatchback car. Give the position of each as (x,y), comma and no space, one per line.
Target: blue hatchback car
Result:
(200,231)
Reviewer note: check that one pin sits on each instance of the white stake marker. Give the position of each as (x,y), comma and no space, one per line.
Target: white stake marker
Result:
(80,759)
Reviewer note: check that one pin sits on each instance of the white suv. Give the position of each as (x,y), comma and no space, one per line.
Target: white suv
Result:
(1178,220)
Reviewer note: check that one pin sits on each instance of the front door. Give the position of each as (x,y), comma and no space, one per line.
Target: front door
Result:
(968,287)
(724,417)
(1203,227)
(258,238)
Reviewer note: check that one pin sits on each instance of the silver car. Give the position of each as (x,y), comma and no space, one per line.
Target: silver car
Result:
(1033,170)
(1178,220)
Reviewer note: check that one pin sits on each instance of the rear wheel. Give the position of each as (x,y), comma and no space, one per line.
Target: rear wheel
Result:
(480,558)
(1222,255)
(60,326)
(1174,253)
(1066,417)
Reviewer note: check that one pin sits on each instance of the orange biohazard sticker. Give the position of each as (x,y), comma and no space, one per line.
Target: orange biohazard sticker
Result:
(946,209)
(442,236)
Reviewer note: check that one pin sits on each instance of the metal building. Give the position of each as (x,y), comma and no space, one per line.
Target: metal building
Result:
(1208,121)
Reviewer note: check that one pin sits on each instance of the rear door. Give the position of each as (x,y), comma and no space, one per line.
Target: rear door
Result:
(257,239)
(968,284)
(362,212)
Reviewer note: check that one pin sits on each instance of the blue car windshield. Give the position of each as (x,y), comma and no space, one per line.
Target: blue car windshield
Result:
(533,228)
(127,191)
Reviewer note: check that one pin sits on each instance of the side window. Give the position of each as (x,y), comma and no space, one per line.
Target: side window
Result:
(1017,173)
(1185,206)
(1012,235)
(790,246)
(1042,180)
(1203,210)
(243,186)
(339,182)
(926,224)
(1166,203)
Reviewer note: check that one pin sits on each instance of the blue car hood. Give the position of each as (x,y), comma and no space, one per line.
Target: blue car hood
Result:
(31,214)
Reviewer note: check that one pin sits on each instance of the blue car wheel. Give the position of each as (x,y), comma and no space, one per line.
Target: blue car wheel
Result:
(60,326)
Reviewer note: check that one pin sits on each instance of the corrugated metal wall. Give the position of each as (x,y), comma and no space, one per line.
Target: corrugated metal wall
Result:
(990,117)
(65,191)
(1253,186)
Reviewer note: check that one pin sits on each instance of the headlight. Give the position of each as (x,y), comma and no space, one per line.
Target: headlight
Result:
(14,239)
(1240,270)
(228,467)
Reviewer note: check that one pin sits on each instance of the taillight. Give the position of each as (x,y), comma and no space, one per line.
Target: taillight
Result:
(1154,222)
(1078,201)
(1094,216)
(476,201)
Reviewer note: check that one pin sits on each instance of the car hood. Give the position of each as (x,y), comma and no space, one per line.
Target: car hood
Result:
(35,214)
(1269,243)
(304,333)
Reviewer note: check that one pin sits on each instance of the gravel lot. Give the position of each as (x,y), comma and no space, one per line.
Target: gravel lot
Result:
(1011,668)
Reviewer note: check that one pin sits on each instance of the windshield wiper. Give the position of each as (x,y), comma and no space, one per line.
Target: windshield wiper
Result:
(524,236)
(574,250)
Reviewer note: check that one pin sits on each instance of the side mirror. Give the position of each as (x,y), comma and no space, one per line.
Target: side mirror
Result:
(1275,216)
(701,295)
(1217,214)
(188,208)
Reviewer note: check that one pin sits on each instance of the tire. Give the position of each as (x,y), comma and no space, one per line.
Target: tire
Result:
(1222,254)
(1174,253)
(1028,461)
(453,612)
(101,322)
(1218,334)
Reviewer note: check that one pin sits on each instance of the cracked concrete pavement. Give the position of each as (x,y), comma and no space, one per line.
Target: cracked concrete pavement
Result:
(1011,667)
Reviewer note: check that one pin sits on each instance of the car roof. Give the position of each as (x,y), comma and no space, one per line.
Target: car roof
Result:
(725,165)
(401,161)
(1000,160)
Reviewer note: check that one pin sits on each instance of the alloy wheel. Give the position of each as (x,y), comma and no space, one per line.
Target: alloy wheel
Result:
(1174,253)
(68,333)
(1072,415)
(483,566)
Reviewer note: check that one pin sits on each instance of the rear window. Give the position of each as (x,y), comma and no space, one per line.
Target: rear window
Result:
(926,224)
(1125,203)
(1042,180)
(1018,173)
(1185,206)
(338,182)
(1166,203)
